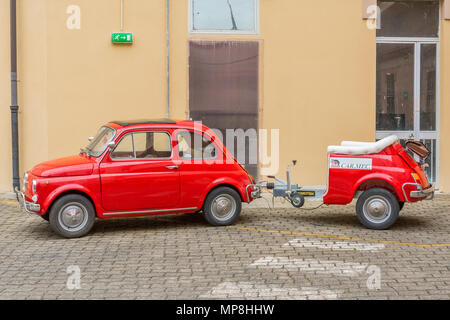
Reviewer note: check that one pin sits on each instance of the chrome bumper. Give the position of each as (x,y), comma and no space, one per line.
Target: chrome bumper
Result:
(28,207)
(428,193)
(255,194)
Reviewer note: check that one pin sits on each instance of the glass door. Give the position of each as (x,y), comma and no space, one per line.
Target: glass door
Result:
(406,102)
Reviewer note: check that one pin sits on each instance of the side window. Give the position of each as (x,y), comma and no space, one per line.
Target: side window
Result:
(195,146)
(154,144)
(124,150)
(144,145)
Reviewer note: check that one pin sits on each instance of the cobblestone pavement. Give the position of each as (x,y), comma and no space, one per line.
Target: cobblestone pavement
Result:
(278,254)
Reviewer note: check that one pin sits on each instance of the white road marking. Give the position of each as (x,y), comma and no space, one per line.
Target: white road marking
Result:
(249,290)
(338,268)
(335,245)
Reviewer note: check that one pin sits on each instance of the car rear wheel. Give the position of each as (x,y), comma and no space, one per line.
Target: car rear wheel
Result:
(377,209)
(72,216)
(222,206)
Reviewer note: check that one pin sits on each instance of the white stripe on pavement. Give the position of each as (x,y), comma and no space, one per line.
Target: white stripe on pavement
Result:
(338,268)
(335,245)
(249,290)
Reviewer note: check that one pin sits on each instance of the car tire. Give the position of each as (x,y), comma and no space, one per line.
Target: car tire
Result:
(401,204)
(377,209)
(72,216)
(222,206)
(45,216)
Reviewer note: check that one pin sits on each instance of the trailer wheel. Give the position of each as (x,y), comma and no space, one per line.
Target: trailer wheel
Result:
(377,209)
(297,199)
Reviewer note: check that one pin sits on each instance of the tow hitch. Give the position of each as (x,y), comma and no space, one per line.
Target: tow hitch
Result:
(282,189)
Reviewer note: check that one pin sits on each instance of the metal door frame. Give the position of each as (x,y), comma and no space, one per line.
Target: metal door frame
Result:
(416,132)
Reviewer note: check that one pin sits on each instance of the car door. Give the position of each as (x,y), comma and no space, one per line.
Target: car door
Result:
(201,163)
(140,174)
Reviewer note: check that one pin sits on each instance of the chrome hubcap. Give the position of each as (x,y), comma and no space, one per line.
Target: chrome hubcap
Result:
(223,206)
(296,200)
(73,216)
(377,209)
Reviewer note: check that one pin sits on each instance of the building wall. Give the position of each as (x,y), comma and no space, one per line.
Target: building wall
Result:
(317,76)
(444,123)
(72,81)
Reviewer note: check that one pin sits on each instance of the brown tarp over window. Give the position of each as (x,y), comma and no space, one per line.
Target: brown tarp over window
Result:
(223,87)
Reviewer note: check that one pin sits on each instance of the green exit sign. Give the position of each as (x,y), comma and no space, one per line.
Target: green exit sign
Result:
(121,37)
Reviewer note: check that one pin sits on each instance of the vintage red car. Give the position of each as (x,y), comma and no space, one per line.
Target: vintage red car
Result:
(139,168)
(382,175)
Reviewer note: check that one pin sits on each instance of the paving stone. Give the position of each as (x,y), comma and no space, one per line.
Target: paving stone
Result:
(297,255)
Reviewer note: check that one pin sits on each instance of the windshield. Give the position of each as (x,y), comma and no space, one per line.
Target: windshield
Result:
(99,143)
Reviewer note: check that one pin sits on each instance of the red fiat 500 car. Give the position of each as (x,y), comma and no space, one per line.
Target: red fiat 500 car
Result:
(138,168)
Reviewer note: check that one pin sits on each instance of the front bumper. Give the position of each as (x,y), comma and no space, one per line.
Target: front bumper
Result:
(28,207)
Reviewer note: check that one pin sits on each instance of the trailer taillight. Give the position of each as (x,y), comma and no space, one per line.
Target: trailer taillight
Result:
(416,177)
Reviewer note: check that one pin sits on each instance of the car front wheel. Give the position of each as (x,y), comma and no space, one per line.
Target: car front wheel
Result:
(72,216)
(377,209)
(222,206)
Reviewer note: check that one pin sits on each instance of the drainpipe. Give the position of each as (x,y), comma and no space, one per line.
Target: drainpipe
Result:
(14,106)
(168,58)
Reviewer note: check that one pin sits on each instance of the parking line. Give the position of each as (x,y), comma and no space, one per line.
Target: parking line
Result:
(9,202)
(335,245)
(253,290)
(317,235)
(334,267)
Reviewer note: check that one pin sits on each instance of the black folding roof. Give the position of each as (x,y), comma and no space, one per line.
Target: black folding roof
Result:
(144,121)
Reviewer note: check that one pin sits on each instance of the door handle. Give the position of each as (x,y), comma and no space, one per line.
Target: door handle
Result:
(172,167)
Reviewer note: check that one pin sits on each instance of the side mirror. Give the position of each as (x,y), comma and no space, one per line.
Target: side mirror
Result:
(111,145)
(91,138)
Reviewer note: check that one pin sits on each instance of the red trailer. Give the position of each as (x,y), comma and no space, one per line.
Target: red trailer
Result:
(382,175)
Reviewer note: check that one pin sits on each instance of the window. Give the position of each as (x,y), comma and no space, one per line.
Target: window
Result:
(192,145)
(229,16)
(100,141)
(143,145)
(409,18)
(124,149)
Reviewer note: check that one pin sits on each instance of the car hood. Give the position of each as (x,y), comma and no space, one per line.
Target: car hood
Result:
(76,165)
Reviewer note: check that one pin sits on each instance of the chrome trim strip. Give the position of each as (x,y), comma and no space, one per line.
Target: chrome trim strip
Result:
(147,211)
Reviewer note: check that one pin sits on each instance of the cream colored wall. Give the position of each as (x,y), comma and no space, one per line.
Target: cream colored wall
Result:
(318,63)
(444,123)
(33,85)
(92,81)
(317,75)
(73,81)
